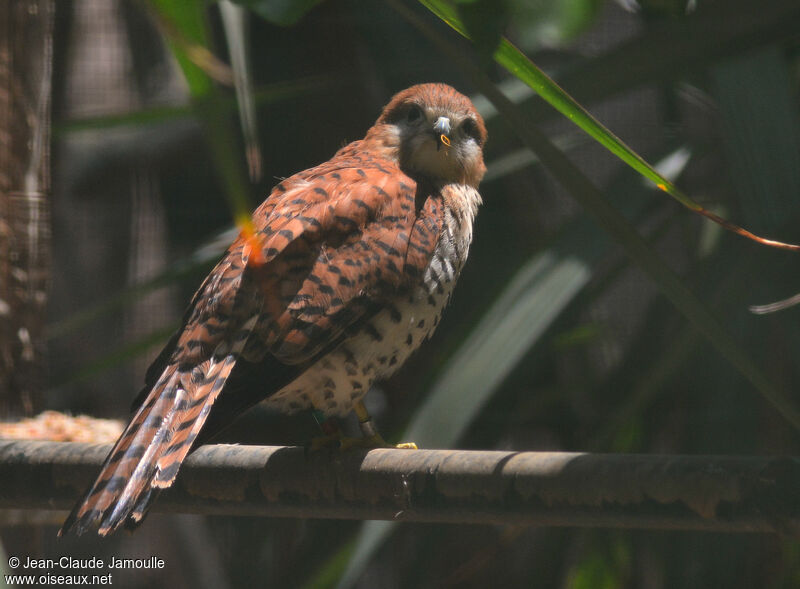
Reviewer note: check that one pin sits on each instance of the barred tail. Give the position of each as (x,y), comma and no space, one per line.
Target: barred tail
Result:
(148,455)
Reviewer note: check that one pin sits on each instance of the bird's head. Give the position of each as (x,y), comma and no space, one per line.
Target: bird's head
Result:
(435,133)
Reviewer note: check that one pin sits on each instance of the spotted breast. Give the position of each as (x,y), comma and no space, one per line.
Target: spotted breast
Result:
(345,273)
(381,345)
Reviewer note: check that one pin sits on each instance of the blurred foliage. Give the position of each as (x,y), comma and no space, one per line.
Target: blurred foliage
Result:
(484,22)
(534,23)
(280,12)
(553,340)
(540,23)
(607,567)
(664,8)
(184,24)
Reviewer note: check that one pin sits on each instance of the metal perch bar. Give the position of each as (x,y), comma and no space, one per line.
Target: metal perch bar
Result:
(713,493)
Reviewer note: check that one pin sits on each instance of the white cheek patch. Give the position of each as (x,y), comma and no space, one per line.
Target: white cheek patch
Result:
(470,150)
(470,154)
(394,132)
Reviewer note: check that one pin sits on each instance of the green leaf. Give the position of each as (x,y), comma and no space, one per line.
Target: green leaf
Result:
(609,218)
(523,68)
(533,300)
(485,21)
(280,12)
(185,25)
(672,48)
(234,23)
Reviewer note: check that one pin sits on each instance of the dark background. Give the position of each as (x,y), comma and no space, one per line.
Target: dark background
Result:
(616,369)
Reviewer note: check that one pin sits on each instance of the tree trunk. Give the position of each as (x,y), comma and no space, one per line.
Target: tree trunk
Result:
(26,31)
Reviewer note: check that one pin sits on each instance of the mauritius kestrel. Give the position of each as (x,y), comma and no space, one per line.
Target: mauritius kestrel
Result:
(347,273)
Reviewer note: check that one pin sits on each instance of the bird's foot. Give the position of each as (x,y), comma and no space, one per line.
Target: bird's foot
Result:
(342,442)
(407,446)
(373,439)
(333,438)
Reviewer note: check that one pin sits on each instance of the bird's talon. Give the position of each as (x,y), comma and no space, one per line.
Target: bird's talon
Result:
(377,441)
(406,446)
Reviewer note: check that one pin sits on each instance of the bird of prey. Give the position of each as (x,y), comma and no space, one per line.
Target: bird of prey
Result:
(346,272)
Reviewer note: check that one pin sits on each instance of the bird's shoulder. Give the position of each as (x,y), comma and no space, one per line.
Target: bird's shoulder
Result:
(338,239)
(335,240)
(354,184)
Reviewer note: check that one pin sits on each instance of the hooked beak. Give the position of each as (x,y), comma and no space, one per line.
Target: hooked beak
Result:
(442,129)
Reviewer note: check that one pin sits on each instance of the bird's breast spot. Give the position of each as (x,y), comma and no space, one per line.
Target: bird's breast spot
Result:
(341,378)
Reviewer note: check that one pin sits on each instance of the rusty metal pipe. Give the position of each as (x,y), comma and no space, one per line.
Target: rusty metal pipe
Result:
(714,493)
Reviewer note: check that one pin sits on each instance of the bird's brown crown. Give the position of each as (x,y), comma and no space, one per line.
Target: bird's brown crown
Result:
(434,132)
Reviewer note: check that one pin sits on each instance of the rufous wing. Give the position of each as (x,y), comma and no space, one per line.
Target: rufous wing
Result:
(336,241)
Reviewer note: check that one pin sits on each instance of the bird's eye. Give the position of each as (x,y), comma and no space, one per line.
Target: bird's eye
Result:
(414,113)
(470,128)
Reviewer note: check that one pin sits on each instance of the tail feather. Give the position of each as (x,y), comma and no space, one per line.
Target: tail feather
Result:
(131,448)
(155,443)
(142,507)
(120,505)
(186,433)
